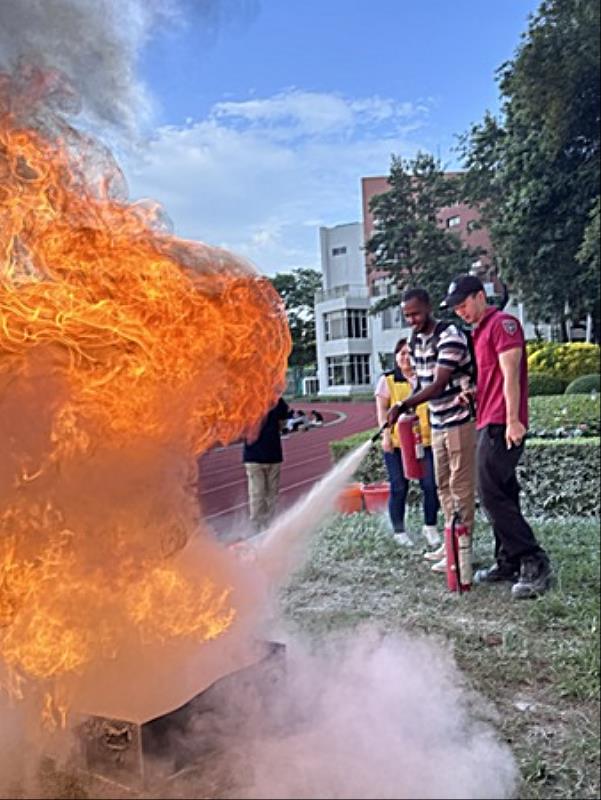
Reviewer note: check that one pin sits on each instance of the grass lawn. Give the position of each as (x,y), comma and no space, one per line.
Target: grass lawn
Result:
(537,660)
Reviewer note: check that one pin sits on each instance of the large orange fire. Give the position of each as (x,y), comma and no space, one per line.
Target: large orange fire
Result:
(124,353)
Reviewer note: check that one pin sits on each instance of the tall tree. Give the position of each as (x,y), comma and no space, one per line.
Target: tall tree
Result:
(297,289)
(535,170)
(408,242)
(589,254)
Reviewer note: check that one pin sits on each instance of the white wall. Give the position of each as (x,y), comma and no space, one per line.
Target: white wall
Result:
(337,347)
(343,268)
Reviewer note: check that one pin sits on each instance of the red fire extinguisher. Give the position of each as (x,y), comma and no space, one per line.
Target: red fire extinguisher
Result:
(412,448)
(458,550)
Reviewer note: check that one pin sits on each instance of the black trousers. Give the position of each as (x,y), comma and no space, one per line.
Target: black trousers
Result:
(500,495)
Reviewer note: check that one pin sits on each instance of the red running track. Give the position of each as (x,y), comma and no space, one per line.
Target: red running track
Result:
(222,479)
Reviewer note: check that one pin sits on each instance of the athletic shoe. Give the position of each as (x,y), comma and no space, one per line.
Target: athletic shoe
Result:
(432,535)
(497,573)
(535,576)
(402,538)
(435,555)
(440,567)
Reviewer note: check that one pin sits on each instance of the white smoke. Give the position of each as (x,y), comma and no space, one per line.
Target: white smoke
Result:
(96,44)
(370,718)
(357,716)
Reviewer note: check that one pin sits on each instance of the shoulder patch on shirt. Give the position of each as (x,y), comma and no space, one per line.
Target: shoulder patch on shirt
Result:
(510,326)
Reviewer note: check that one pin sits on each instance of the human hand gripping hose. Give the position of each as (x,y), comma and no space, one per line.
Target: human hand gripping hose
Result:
(391,419)
(379,433)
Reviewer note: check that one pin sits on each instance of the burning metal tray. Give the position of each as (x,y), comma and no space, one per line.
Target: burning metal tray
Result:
(134,753)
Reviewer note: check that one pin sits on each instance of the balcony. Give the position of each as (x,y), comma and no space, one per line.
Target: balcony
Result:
(346,290)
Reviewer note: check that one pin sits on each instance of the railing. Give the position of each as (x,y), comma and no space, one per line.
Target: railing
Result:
(347,290)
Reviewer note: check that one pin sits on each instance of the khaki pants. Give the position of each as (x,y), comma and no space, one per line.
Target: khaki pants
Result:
(455,468)
(263,486)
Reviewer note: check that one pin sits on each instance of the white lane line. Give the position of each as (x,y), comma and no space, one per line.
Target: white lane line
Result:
(314,479)
(288,465)
(210,470)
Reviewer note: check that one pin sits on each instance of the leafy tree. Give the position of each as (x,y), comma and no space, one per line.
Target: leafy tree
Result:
(297,290)
(408,242)
(589,254)
(535,170)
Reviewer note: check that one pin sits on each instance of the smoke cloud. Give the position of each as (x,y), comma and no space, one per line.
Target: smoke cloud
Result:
(97,45)
(357,716)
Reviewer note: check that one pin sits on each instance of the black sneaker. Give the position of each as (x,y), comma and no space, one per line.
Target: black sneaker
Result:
(535,576)
(499,571)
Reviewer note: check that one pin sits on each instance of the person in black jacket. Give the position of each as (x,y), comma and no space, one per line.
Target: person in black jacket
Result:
(263,461)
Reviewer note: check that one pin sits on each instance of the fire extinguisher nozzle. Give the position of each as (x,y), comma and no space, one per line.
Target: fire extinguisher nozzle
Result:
(377,435)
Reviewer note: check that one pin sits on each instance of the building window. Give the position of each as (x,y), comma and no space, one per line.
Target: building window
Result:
(452,222)
(349,323)
(392,317)
(348,370)
(338,251)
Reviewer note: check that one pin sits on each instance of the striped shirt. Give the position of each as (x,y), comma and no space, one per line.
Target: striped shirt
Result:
(453,353)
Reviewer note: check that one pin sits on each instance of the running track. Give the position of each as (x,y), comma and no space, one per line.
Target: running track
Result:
(222,479)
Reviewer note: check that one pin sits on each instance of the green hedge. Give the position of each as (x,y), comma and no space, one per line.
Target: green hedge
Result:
(559,477)
(585,384)
(539,383)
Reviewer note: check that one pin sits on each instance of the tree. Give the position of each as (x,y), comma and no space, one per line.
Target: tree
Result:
(535,171)
(589,256)
(408,242)
(297,290)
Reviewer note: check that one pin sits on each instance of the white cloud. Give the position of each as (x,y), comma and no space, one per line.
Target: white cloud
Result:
(258,176)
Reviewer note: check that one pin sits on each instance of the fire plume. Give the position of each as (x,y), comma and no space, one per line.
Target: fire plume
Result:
(124,353)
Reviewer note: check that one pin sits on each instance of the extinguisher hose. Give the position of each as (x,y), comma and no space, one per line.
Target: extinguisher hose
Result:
(455,545)
(377,435)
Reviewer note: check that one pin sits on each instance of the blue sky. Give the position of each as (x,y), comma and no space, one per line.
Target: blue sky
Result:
(266,113)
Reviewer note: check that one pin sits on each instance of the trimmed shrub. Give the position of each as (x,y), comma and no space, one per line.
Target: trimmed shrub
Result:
(565,361)
(540,383)
(585,384)
(534,345)
(558,477)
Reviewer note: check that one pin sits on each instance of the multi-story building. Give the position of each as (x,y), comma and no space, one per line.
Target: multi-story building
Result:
(342,322)
(353,346)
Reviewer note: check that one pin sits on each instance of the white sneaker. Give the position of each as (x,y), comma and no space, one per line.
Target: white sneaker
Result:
(432,535)
(402,538)
(440,567)
(435,555)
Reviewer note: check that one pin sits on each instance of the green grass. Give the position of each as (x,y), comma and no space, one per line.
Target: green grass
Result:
(565,414)
(538,661)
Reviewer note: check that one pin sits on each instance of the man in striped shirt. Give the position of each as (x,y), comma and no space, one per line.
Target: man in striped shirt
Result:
(443,364)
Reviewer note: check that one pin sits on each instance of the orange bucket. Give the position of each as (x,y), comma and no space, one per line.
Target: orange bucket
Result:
(375,496)
(350,499)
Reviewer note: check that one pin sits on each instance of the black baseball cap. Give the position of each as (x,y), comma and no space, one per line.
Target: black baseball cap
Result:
(461,288)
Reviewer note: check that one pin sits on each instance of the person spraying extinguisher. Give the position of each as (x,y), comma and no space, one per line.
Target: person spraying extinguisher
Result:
(406,449)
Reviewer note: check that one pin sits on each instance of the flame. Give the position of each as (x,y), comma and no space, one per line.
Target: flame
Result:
(54,712)
(125,353)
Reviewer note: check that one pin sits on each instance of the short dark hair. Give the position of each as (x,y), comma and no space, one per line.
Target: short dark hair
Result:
(400,344)
(416,294)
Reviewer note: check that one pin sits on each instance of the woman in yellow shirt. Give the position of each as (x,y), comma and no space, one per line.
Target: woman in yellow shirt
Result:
(393,387)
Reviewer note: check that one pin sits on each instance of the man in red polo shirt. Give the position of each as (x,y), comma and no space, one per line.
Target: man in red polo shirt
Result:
(502,423)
